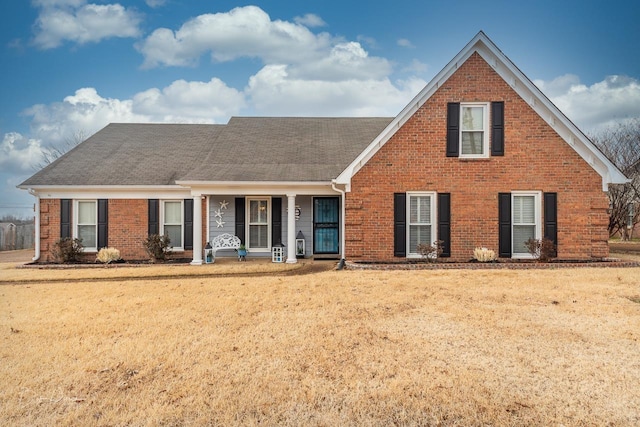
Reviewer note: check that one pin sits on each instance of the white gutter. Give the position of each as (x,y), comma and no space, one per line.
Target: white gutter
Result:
(343,239)
(36,226)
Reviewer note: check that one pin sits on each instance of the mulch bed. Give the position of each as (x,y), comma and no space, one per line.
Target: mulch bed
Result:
(500,265)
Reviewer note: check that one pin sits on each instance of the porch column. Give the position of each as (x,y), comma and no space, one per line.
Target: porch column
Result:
(197,231)
(291,229)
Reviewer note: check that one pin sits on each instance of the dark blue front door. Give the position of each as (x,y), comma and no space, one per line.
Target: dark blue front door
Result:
(326,236)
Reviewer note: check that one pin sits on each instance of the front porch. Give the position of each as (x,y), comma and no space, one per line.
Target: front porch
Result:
(303,225)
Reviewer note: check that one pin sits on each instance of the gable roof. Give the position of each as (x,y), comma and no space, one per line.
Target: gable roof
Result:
(248,149)
(522,86)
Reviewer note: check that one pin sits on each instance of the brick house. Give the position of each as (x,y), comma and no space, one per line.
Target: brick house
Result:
(480,157)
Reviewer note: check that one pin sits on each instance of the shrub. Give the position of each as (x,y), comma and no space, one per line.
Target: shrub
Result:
(484,255)
(430,252)
(542,250)
(157,246)
(67,250)
(107,255)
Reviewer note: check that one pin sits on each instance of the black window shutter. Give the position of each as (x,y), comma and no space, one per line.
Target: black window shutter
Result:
(504,225)
(400,225)
(65,218)
(103,223)
(551,218)
(497,128)
(276,221)
(154,216)
(240,218)
(444,223)
(453,129)
(188,224)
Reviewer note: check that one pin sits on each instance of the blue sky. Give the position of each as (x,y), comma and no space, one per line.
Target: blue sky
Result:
(70,67)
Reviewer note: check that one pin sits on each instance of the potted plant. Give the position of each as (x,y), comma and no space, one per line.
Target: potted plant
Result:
(242,253)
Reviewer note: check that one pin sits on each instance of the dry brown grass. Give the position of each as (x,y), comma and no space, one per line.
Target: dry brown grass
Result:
(552,347)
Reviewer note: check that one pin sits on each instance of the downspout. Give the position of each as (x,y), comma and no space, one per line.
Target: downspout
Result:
(342,225)
(36,225)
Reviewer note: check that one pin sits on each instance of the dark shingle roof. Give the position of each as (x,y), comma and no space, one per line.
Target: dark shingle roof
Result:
(247,149)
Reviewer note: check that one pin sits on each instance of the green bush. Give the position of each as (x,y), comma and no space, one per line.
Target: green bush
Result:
(157,246)
(68,250)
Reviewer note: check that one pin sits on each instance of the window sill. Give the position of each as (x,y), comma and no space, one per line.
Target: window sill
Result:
(474,159)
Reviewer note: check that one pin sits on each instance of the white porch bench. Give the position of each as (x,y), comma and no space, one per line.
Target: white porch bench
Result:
(224,241)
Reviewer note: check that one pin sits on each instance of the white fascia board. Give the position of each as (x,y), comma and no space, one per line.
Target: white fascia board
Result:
(258,188)
(526,90)
(108,192)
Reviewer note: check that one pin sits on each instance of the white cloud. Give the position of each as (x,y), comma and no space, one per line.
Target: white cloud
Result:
(19,154)
(604,103)
(242,32)
(74,20)
(180,102)
(155,3)
(190,102)
(404,43)
(309,20)
(345,61)
(85,111)
(272,91)
(250,32)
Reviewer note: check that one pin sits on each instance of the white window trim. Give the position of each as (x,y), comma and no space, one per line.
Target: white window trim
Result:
(181,201)
(76,212)
(537,216)
(485,132)
(434,219)
(248,224)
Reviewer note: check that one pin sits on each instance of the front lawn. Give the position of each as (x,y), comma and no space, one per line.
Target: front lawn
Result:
(457,347)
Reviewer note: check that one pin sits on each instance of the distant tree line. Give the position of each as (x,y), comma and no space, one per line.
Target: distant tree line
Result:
(621,144)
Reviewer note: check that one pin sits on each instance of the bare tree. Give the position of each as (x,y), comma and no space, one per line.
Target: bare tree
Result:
(51,154)
(621,144)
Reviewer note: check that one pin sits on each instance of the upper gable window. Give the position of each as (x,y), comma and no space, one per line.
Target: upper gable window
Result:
(475,131)
(474,135)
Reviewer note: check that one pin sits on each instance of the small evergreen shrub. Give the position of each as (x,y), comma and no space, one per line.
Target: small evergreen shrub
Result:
(108,255)
(67,250)
(484,255)
(157,246)
(543,250)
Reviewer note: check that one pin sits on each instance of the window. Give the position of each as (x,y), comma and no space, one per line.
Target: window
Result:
(172,222)
(474,122)
(258,224)
(525,211)
(86,220)
(421,213)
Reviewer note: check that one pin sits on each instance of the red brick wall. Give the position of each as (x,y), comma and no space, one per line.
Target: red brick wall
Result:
(536,158)
(127,229)
(49,227)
